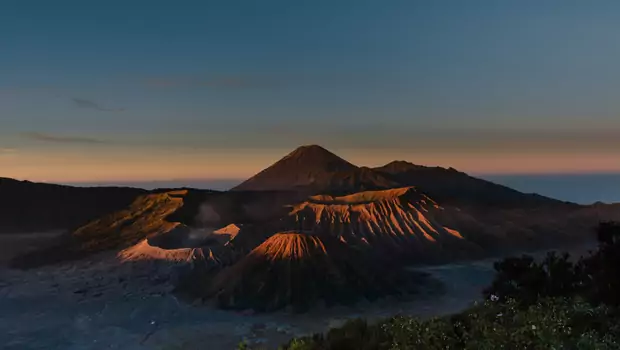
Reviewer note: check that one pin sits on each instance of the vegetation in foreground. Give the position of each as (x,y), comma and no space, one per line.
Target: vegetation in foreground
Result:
(557,303)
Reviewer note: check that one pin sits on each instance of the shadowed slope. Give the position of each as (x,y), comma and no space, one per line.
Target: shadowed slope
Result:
(297,270)
(145,217)
(313,168)
(451,187)
(28,206)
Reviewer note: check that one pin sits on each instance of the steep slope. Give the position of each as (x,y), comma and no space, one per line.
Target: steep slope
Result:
(451,187)
(30,207)
(145,217)
(313,168)
(296,269)
(397,221)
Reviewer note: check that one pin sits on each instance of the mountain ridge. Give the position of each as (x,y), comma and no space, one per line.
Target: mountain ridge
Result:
(450,186)
(30,206)
(313,168)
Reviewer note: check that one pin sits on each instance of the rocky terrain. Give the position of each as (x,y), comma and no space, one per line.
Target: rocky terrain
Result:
(399,221)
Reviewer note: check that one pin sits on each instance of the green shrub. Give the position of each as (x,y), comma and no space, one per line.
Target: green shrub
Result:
(525,280)
(595,278)
(559,323)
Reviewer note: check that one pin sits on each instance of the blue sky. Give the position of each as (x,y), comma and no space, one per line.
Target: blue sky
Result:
(111,89)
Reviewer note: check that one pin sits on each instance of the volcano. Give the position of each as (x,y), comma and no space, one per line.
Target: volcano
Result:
(395,223)
(313,168)
(396,214)
(298,270)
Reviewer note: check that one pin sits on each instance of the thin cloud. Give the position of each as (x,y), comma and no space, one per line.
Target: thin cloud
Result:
(43,90)
(255,81)
(82,103)
(37,136)
(7,151)
(222,82)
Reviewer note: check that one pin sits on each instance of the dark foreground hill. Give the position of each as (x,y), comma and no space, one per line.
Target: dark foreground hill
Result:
(297,269)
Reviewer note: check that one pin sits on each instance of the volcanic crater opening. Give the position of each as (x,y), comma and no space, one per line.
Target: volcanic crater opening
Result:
(365,197)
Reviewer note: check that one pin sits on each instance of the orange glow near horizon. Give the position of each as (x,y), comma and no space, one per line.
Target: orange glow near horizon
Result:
(151,165)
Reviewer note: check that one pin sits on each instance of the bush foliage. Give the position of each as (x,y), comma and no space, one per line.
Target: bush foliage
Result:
(596,277)
(557,323)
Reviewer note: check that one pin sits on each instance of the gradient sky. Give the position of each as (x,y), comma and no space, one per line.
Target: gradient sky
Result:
(113,90)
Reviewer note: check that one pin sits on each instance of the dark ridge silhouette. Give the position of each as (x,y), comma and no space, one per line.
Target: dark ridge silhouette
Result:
(452,187)
(314,169)
(28,206)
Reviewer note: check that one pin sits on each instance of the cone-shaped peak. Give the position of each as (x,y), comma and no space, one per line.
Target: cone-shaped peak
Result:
(306,166)
(318,156)
(291,245)
(311,149)
(298,269)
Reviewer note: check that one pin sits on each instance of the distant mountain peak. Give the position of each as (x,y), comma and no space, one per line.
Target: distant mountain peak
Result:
(311,148)
(291,245)
(313,166)
(316,155)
